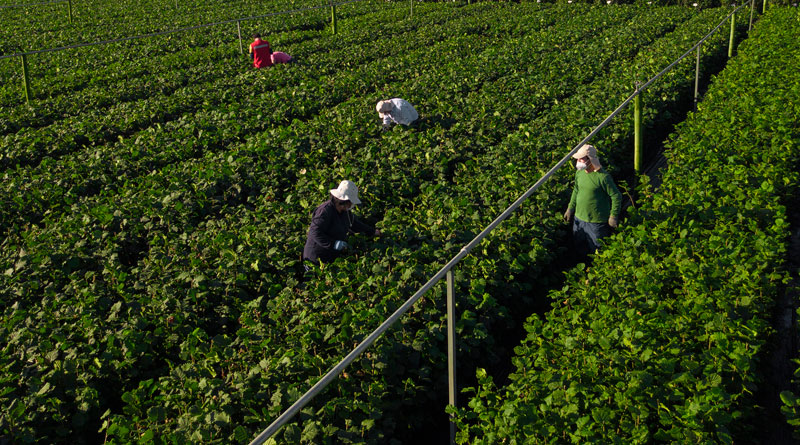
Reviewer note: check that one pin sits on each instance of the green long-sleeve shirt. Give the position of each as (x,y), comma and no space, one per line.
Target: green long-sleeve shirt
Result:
(595,196)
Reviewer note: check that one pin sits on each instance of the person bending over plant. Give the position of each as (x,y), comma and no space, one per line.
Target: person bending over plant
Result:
(260,52)
(396,111)
(331,223)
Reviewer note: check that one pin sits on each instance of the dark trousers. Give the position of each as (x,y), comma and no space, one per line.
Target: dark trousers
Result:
(586,237)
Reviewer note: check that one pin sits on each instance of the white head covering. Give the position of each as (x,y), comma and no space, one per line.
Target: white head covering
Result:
(347,191)
(588,150)
(383,106)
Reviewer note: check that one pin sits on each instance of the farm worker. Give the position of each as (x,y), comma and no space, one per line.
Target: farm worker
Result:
(260,52)
(280,57)
(332,222)
(396,111)
(595,202)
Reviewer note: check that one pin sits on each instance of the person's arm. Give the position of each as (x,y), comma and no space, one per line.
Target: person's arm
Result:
(613,193)
(573,201)
(320,223)
(387,119)
(359,227)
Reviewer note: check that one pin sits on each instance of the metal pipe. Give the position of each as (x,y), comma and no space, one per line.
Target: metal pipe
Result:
(697,77)
(69,10)
(730,43)
(239,31)
(637,132)
(451,350)
(26,79)
(752,7)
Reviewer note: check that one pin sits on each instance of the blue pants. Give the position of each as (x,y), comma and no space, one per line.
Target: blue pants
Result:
(586,236)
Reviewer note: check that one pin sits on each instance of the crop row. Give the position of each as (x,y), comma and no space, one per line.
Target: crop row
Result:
(219,265)
(163,57)
(391,262)
(108,226)
(661,338)
(93,170)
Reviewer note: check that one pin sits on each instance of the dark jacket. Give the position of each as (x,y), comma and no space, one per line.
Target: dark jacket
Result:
(328,226)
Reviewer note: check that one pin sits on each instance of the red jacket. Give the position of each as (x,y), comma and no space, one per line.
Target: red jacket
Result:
(261,53)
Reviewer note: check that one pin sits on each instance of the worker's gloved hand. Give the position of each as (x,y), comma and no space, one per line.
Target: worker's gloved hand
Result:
(340,245)
(612,221)
(569,214)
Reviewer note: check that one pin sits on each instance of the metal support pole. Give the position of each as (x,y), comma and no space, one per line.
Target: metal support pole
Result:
(333,17)
(451,349)
(412,8)
(239,31)
(697,76)
(637,132)
(764,7)
(730,44)
(752,7)
(26,79)
(69,10)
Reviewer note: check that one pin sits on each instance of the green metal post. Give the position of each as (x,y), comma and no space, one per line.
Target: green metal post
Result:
(451,349)
(26,78)
(764,7)
(730,44)
(69,10)
(333,17)
(752,7)
(637,132)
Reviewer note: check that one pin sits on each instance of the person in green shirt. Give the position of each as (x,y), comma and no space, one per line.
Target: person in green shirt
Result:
(595,203)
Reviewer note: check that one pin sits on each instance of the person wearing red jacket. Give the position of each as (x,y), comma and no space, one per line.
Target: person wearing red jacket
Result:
(260,52)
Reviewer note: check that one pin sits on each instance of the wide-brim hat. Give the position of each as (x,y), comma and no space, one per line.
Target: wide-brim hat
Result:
(591,152)
(347,191)
(383,106)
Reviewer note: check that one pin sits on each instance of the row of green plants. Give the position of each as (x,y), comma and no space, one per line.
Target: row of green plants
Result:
(364,422)
(118,278)
(661,339)
(47,26)
(215,252)
(81,268)
(216,115)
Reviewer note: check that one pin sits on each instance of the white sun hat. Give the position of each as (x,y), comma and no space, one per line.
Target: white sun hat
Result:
(591,152)
(347,191)
(383,106)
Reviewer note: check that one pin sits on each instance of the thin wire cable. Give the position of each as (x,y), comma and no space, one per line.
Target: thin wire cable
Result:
(23,5)
(172,31)
(369,340)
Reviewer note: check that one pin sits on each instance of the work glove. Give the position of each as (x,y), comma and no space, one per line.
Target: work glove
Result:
(340,245)
(569,214)
(612,221)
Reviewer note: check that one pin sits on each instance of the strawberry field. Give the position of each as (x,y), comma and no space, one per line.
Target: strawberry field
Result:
(156,195)
(663,338)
